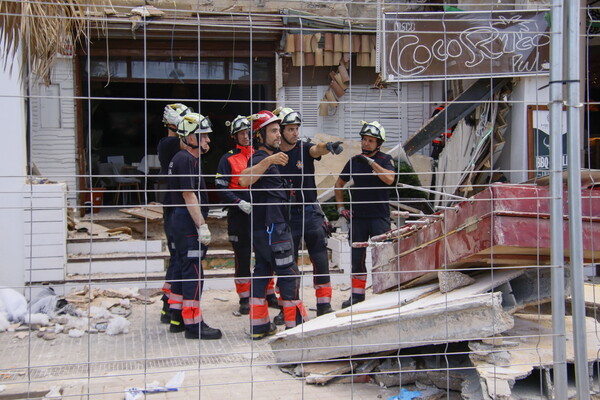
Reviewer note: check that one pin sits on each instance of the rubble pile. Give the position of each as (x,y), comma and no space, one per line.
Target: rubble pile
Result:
(472,335)
(85,311)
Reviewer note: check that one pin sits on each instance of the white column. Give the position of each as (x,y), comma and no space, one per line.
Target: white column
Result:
(12,177)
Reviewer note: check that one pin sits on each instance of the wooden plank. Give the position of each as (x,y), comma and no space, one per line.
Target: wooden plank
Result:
(143,213)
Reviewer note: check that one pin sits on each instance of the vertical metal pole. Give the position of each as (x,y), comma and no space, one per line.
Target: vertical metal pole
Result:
(557,253)
(574,130)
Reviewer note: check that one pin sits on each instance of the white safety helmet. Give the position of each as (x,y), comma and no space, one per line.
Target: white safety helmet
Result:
(373,129)
(193,123)
(173,113)
(288,116)
(238,124)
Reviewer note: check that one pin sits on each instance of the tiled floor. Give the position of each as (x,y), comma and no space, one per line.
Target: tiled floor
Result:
(99,366)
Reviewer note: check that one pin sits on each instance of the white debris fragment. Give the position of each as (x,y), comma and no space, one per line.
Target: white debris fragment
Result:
(125,303)
(36,319)
(54,393)
(13,304)
(118,325)
(4,323)
(75,333)
(58,328)
(99,313)
(176,381)
(2,388)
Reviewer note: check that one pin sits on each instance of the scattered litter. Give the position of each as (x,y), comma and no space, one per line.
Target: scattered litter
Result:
(405,395)
(58,328)
(101,326)
(99,313)
(13,304)
(54,393)
(36,319)
(224,300)
(236,313)
(4,323)
(118,325)
(172,385)
(76,333)
(2,388)
(176,381)
(21,335)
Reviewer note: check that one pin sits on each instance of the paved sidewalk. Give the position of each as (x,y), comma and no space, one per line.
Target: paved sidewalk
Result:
(99,366)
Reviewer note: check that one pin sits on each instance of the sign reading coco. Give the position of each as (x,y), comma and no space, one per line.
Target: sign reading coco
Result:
(459,44)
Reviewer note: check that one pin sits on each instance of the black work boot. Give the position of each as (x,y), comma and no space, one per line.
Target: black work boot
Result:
(323,308)
(244,306)
(272,301)
(165,313)
(270,331)
(279,319)
(176,323)
(202,331)
(354,298)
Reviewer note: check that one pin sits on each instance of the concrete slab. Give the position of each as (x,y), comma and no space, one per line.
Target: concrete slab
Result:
(529,347)
(413,325)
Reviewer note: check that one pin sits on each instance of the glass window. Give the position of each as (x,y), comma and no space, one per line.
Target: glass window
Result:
(240,70)
(118,68)
(212,69)
(164,69)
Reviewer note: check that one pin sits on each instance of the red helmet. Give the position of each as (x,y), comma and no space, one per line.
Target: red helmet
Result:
(262,119)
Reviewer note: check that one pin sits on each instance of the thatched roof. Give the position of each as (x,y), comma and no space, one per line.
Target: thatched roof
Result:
(42,29)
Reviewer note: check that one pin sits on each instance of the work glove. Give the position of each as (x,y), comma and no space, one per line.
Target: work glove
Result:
(334,147)
(364,159)
(170,116)
(345,213)
(204,234)
(245,206)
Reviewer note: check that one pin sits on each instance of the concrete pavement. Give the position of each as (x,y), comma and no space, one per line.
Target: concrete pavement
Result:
(99,366)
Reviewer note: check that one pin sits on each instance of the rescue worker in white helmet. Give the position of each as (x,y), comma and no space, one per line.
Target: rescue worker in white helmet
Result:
(237,198)
(168,146)
(272,237)
(369,213)
(190,230)
(307,220)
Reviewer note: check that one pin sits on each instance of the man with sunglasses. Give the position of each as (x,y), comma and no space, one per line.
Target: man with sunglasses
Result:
(190,231)
(306,217)
(168,146)
(372,172)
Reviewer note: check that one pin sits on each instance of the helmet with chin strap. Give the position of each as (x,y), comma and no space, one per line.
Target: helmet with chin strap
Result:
(373,129)
(260,121)
(288,116)
(238,124)
(193,123)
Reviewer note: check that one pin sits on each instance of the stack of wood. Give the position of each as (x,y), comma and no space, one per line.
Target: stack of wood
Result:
(328,49)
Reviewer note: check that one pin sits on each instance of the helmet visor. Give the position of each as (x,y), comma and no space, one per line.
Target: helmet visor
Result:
(292,118)
(371,130)
(205,124)
(239,125)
